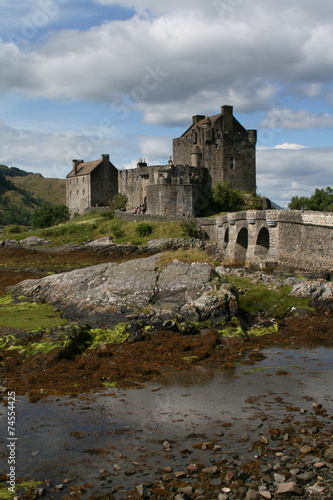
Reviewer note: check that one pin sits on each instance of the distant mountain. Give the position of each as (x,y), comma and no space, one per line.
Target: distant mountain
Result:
(52,190)
(275,205)
(22,192)
(13,171)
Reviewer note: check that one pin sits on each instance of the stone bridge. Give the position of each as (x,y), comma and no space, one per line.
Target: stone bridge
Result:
(274,238)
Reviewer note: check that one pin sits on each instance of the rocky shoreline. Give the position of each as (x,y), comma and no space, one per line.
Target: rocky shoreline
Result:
(175,314)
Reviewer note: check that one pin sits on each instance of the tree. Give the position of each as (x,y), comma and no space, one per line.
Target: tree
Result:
(321,200)
(225,198)
(119,201)
(49,215)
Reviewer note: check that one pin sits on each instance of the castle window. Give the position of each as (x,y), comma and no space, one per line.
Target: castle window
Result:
(232,163)
(83,192)
(77,192)
(70,193)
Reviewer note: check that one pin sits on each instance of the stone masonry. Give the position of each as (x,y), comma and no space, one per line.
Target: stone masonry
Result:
(213,149)
(274,238)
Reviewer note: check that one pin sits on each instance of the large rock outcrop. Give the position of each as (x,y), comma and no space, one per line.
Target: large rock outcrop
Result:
(137,290)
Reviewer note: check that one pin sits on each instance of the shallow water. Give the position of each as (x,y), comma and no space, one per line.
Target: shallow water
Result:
(76,437)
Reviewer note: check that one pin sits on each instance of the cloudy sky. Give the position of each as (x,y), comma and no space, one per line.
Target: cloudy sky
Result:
(80,78)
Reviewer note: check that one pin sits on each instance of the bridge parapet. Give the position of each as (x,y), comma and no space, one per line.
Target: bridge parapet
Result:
(293,238)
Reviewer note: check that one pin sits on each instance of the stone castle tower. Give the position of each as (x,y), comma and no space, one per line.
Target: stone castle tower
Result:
(223,146)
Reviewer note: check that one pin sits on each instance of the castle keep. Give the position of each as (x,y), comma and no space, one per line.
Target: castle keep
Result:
(213,149)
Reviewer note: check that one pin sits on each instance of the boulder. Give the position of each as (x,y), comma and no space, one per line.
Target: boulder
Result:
(136,291)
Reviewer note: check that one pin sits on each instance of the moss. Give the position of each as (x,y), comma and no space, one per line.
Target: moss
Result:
(20,488)
(27,316)
(185,255)
(261,298)
(118,335)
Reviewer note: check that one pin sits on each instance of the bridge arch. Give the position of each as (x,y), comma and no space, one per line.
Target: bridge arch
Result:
(262,243)
(226,236)
(241,246)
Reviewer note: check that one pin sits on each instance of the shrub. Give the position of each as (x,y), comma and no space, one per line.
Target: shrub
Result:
(118,202)
(190,229)
(117,231)
(225,198)
(144,229)
(15,229)
(49,215)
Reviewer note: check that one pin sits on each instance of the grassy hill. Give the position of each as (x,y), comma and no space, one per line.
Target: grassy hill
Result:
(22,192)
(53,190)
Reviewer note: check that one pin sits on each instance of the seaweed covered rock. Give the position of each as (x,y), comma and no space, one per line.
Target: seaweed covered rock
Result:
(106,294)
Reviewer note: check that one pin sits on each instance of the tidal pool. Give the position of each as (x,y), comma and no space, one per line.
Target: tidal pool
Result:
(75,438)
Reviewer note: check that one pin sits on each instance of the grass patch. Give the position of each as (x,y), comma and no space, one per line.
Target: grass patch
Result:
(118,335)
(95,225)
(27,316)
(188,256)
(276,303)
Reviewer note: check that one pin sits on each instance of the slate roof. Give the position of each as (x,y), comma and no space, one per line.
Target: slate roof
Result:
(85,168)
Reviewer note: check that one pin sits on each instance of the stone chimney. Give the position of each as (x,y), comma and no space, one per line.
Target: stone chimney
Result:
(76,163)
(228,119)
(106,158)
(252,134)
(141,162)
(197,118)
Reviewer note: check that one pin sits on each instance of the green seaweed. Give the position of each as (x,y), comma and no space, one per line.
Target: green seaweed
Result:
(20,487)
(118,335)
(190,359)
(27,316)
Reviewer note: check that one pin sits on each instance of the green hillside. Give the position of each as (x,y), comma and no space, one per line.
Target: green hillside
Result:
(22,192)
(53,190)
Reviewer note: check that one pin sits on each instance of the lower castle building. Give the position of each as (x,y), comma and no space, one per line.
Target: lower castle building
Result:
(213,149)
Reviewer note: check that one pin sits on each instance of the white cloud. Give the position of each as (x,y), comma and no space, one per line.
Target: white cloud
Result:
(155,149)
(284,173)
(286,118)
(175,58)
(51,154)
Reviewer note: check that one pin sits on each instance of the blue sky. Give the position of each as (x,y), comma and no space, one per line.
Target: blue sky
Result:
(80,78)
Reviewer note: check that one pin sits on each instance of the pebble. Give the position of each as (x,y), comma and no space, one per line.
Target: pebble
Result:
(142,490)
(265,494)
(210,470)
(305,449)
(290,487)
(279,478)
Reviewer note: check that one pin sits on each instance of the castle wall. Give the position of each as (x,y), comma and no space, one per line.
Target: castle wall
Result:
(134,182)
(78,194)
(171,200)
(104,184)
